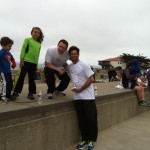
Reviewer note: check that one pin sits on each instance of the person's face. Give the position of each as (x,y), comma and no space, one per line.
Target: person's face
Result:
(35,34)
(7,47)
(62,48)
(74,56)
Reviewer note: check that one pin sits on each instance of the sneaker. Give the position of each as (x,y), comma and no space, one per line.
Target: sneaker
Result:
(49,96)
(90,146)
(13,96)
(30,96)
(4,100)
(59,93)
(81,145)
(144,104)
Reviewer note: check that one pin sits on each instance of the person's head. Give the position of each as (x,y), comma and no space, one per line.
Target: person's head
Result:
(134,62)
(62,46)
(111,67)
(74,53)
(134,67)
(6,43)
(37,34)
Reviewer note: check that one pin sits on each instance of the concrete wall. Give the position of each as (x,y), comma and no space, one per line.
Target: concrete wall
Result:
(55,126)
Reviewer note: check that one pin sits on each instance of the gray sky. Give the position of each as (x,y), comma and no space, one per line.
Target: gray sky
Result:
(100,28)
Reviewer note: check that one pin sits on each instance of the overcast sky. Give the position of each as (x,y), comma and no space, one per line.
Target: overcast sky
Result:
(100,28)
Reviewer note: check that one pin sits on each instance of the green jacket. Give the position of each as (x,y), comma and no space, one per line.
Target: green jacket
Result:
(30,51)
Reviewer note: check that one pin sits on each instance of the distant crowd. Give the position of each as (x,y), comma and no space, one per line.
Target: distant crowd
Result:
(131,79)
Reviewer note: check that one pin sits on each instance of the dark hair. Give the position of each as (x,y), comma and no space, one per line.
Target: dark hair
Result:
(41,37)
(134,69)
(74,48)
(5,41)
(63,41)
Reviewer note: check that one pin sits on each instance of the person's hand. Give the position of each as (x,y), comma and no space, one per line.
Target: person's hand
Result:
(61,71)
(21,63)
(76,90)
(13,64)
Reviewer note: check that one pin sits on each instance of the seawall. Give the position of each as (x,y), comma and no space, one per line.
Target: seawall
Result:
(53,125)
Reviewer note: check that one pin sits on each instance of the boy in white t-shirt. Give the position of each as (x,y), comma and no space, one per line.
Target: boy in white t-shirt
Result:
(55,64)
(84,99)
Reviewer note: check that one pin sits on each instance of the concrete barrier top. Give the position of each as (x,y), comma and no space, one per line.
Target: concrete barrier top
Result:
(106,88)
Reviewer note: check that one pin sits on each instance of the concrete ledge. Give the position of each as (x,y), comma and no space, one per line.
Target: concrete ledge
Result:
(115,108)
(54,126)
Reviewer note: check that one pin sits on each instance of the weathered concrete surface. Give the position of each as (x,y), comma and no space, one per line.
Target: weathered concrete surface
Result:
(133,134)
(53,125)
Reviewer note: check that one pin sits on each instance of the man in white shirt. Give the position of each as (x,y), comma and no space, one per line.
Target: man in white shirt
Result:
(55,64)
(84,99)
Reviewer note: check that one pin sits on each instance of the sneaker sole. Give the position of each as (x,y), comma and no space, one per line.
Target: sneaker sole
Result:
(61,94)
(81,148)
(31,98)
(145,105)
(50,98)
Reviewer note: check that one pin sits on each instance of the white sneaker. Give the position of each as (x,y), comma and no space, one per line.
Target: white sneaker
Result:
(4,100)
(144,104)
(59,93)
(49,96)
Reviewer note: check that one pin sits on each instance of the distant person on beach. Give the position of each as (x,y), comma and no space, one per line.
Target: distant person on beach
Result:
(7,62)
(84,99)
(55,64)
(28,63)
(111,74)
(129,80)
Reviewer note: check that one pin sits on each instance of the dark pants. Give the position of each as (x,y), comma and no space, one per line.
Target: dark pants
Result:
(7,84)
(87,117)
(110,77)
(50,80)
(29,68)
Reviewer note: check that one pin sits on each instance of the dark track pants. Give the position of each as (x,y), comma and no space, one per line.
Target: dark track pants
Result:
(87,117)
(7,84)
(50,80)
(29,68)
